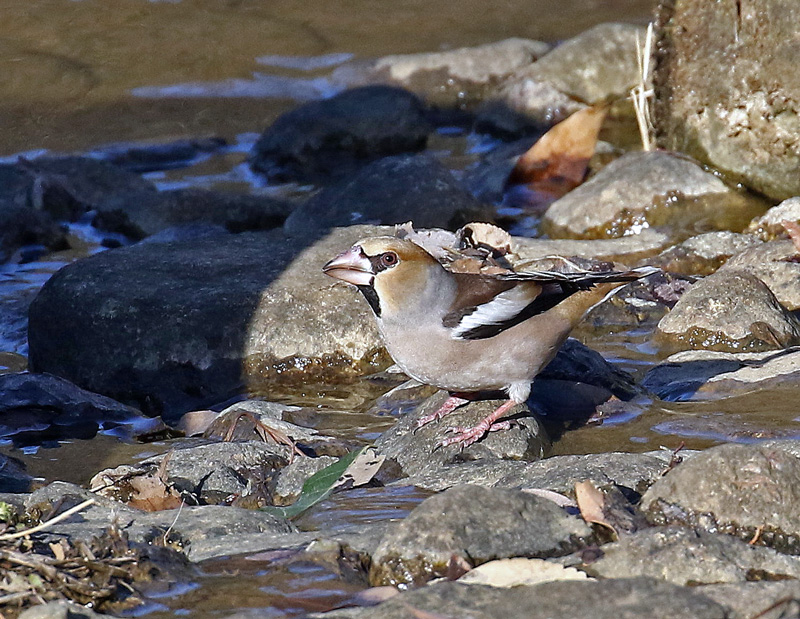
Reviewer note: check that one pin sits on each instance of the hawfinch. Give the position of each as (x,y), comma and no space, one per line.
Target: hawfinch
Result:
(469,332)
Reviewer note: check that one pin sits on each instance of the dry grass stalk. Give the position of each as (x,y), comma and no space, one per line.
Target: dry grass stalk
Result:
(642,93)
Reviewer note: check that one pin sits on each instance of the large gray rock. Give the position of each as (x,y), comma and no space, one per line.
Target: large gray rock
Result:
(744,121)
(392,190)
(476,525)
(705,253)
(749,491)
(174,325)
(777,264)
(684,556)
(732,311)
(597,65)
(456,77)
(615,201)
(624,598)
(325,139)
(415,450)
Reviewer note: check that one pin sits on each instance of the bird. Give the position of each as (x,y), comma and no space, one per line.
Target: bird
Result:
(470,332)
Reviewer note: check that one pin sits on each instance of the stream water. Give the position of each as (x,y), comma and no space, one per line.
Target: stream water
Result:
(85,76)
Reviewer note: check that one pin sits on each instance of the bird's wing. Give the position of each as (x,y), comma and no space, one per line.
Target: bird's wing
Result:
(486,306)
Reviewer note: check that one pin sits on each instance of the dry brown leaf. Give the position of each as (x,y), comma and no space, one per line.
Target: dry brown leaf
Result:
(591,503)
(151,494)
(558,161)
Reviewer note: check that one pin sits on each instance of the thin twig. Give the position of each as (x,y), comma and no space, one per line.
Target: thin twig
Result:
(52,521)
(643,92)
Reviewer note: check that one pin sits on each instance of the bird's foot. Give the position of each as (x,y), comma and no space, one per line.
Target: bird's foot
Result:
(450,404)
(466,436)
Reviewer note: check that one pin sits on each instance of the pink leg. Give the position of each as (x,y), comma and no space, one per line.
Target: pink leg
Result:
(450,404)
(467,436)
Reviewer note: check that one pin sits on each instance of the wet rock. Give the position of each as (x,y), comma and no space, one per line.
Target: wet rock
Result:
(290,481)
(13,476)
(196,318)
(476,525)
(777,264)
(632,473)
(415,449)
(486,179)
(457,77)
(142,158)
(524,106)
(22,225)
(61,609)
(615,202)
(741,123)
(594,66)
(626,249)
(687,557)
(768,227)
(706,374)
(731,311)
(643,302)
(36,407)
(326,139)
(178,526)
(748,491)
(391,190)
(84,180)
(608,599)
(140,214)
(703,254)
(208,473)
(764,600)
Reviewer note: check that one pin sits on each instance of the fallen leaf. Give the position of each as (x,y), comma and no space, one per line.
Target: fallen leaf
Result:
(520,571)
(354,469)
(151,494)
(558,161)
(591,502)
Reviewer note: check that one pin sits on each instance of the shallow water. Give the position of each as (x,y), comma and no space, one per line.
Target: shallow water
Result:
(84,76)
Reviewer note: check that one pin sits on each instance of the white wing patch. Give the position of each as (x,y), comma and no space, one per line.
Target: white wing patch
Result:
(500,309)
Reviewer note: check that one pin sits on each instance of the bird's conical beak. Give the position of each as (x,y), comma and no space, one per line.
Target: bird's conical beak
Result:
(352,266)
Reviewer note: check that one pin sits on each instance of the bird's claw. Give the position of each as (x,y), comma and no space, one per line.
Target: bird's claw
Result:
(467,436)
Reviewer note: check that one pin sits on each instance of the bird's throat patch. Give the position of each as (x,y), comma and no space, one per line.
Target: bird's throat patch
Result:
(372,298)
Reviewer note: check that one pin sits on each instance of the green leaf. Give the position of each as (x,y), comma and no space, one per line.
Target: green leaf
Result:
(322,483)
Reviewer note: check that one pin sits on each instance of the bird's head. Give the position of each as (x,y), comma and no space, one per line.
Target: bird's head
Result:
(390,272)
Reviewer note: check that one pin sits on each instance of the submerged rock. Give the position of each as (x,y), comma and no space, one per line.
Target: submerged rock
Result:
(476,525)
(391,190)
(732,311)
(324,140)
(615,201)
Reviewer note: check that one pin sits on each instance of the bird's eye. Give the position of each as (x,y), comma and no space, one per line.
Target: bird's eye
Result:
(389,259)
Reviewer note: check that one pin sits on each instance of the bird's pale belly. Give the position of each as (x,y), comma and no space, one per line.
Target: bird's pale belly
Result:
(467,365)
